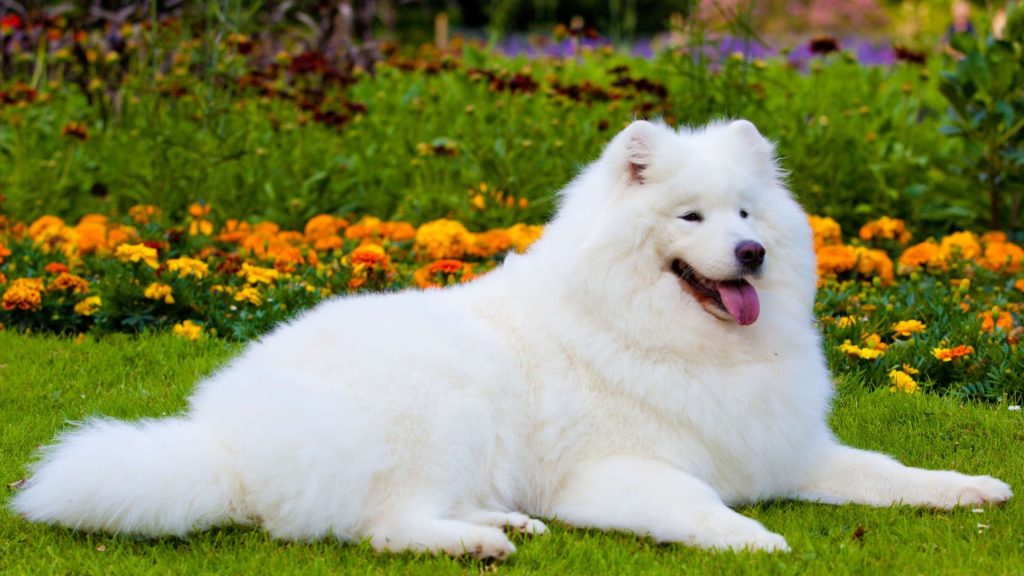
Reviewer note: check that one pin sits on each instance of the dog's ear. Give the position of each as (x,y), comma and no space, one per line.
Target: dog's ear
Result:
(762,149)
(634,149)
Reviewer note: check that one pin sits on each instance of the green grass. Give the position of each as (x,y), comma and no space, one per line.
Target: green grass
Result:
(46,381)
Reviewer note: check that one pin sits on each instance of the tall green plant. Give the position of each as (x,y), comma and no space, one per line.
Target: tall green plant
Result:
(987,113)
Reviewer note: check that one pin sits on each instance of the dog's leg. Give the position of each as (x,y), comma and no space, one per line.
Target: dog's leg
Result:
(847,475)
(652,498)
(508,521)
(452,537)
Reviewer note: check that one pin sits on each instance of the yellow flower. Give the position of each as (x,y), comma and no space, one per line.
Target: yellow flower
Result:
(846,321)
(443,239)
(901,381)
(258,275)
(249,294)
(199,224)
(158,291)
(962,245)
(188,267)
(949,354)
(24,294)
(905,328)
(478,202)
(855,351)
(188,330)
(88,306)
(522,235)
(137,253)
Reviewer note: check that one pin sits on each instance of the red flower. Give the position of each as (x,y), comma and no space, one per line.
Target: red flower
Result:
(10,22)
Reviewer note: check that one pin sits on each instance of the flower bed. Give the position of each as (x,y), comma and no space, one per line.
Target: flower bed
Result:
(942,313)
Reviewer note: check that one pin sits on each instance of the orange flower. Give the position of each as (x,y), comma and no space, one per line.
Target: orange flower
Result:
(42,224)
(907,328)
(871,262)
(4,252)
(926,253)
(442,239)
(1018,284)
(199,224)
(143,214)
(70,283)
(996,319)
(885,228)
(835,259)
(1003,257)
(234,231)
(949,354)
(369,257)
(826,231)
(962,245)
(24,294)
(323,226)
(522,235)
(76,130)
(487,244)
(56,267)
(443,273)
(92,235)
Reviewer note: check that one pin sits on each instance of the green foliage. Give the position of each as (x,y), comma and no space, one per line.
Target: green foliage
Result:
(987,114)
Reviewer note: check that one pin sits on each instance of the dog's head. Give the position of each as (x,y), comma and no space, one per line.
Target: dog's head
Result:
(697,219)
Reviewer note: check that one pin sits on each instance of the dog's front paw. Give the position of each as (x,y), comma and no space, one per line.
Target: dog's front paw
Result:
(983,490)
(744,535)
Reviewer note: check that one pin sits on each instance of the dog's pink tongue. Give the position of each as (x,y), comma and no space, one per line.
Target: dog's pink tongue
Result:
(740,300)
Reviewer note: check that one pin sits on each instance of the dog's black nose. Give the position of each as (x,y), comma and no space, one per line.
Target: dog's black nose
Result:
(750,254)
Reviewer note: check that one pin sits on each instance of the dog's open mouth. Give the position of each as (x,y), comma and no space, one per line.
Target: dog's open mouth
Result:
(732,299)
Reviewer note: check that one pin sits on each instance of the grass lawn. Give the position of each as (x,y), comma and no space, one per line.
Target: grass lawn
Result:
(46,381)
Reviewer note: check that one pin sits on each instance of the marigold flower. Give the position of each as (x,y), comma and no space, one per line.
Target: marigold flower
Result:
(489,243)
(199,225)
(523,235)
(369,257)
(92,235)
(927,254)
(874,342)
(88,306)
(70,283)
(249,294)
(24,294)
(902,382)
(949,354)
(996,319)
(56,267)
(1018,284)
(323,226)
(835,259)
(874,263)
(118,235)
(846,321)
(905,328)
(143,214)
(962,245)
(855,351)
(186,267)
(478,201)
(326,243)
(75,130)
(134,253)
(826,231)
(258,274)
(442,239)
(1003,257)
(234,231)
(443,273)
(158,291)
(885,228)
(188,330)
(46,222)
(4,252)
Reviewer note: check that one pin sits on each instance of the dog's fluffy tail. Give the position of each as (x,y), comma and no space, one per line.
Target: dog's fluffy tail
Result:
(153,477)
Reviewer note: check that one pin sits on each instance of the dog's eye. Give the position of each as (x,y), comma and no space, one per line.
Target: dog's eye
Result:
(744,214)
(692,217)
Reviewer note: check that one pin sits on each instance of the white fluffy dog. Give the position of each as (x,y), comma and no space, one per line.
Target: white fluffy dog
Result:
(650,362)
